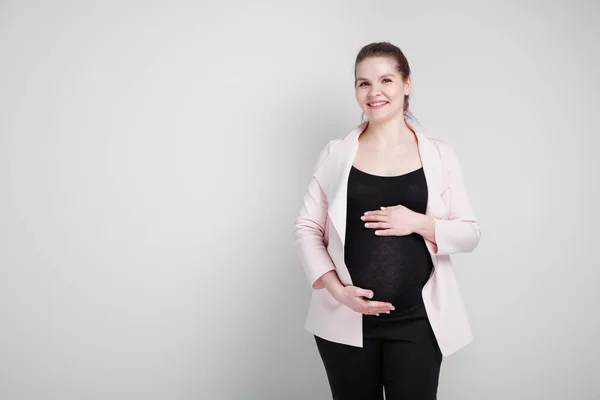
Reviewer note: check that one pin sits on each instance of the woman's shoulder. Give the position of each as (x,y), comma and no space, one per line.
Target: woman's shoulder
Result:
(446,152)
(332,143)
(439,143)
(448,156)
(443,147)
(325,151)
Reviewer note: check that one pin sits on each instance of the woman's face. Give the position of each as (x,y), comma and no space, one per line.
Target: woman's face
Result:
(379,88)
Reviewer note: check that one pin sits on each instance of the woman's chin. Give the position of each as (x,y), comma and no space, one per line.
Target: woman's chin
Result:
(378,117)
(381,116)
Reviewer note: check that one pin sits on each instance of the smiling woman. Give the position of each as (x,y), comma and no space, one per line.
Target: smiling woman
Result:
(385,209)
(392,71)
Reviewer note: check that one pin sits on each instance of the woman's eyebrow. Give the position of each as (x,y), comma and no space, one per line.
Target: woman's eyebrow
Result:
(365,79)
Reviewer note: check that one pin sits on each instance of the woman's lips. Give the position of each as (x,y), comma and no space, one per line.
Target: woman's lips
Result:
(378,106)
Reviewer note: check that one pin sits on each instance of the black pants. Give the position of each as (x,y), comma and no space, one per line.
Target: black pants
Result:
(406,366)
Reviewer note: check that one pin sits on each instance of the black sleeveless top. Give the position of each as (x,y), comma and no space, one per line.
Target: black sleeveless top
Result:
(395,268)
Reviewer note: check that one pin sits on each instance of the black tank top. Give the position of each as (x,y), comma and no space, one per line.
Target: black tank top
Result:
(395,268)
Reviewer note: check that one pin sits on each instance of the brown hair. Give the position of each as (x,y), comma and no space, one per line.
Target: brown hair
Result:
(386,49)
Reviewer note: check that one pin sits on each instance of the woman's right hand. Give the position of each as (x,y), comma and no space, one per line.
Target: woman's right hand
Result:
(354,297)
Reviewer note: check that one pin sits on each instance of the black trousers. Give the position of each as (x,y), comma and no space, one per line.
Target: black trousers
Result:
(403,361)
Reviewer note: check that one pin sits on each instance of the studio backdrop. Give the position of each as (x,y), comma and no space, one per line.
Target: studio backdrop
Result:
(154,157)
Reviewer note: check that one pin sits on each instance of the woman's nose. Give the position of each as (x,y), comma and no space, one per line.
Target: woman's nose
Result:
(374,90)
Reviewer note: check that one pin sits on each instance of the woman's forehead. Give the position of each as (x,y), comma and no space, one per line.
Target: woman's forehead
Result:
(376,67)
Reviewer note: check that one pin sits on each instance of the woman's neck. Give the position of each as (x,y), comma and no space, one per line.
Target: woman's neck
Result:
(388,134)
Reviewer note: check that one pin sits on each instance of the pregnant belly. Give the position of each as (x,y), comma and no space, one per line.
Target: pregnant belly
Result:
(395,268)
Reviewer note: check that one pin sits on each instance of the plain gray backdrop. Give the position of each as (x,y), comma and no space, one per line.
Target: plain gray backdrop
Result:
(154,156)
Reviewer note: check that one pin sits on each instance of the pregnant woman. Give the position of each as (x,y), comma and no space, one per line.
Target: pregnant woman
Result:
(385,209)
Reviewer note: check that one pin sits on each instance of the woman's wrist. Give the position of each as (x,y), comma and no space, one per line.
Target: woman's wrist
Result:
(424,225)
(332,284)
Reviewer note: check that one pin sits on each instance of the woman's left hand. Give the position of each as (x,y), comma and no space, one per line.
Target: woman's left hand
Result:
(391,221)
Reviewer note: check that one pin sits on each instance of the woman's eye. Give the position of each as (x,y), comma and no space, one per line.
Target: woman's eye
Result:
(384,80)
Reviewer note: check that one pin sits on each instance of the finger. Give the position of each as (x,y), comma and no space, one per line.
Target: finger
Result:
(379,304)
(370,310)
(374,217)
(377,212)
(385,232)
(377,311)
(363,293)
(380,312)
(378,225)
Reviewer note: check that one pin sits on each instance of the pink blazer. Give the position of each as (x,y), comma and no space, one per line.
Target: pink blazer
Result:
(320,233)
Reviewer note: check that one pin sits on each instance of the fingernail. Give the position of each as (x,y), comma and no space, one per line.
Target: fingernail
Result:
(363,218)
(393,308)
(370,295)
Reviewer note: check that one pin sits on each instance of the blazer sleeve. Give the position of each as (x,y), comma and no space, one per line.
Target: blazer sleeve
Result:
(460,233)
(309,228)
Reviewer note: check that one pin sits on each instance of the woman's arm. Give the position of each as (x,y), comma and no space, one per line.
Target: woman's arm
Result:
(460,233)
(425,226)
(331,281)
(309,231)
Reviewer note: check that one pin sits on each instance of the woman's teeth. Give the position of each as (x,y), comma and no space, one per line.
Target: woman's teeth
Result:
(376,105)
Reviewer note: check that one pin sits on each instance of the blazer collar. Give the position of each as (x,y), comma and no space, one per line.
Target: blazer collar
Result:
(333,173)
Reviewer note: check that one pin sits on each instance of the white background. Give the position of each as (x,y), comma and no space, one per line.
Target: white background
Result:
(154,156)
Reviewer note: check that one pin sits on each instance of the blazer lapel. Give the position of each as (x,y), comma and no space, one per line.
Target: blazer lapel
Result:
(333,174)
(434,169)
